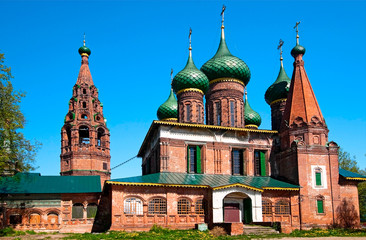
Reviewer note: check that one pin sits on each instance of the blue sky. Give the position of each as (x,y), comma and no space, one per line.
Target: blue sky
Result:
(134,45)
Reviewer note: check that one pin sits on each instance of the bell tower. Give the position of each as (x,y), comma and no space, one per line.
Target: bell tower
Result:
(85,146)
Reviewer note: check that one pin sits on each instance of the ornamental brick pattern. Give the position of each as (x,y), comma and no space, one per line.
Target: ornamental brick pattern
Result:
(85,146)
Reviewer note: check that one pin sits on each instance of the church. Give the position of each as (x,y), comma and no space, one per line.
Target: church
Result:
(204,161)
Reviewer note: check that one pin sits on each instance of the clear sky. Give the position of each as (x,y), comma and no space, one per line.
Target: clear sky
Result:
(134,45)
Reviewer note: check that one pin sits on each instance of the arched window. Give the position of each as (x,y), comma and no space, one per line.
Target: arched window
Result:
(52,218)
(34,218)
(157,206)
(133,206)
(217,111)
(199,113)
(232,113)
(320,204)
(15,219)
(100,137)
(77,210)
(318,177)
(199,207)
(91,210)
(266,206)
(184,206)
(282,207)
(84,135)
(68,135)
(188,112)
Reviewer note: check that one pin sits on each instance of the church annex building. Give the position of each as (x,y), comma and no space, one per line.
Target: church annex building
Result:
(202,161)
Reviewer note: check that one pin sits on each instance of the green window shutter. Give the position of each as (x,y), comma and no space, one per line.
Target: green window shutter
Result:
(263,163)
(318,179)
(187,159)
(198,163)
(320,206)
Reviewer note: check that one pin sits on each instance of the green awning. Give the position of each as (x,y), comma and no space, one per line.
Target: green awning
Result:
(256,183)
(24,183)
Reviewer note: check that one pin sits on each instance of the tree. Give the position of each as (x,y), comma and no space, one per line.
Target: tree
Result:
(349,163)
(16,152)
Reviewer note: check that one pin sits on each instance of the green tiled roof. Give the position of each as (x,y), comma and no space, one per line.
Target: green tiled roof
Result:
(190,77)
(35,183)
(251,117)
(169,109)
(351,175)
(225,65)
(279,89)
(205,180)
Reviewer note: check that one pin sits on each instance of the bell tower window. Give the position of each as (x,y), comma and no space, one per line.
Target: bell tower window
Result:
(100,137)
(84,135)
(84,104)
(68,135)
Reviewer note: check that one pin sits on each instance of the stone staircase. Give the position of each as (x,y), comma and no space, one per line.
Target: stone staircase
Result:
(258,230)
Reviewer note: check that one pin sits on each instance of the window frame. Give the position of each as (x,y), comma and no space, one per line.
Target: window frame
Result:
(157,206)
(196,163)
(240,162)
(232,113)
(186,206)
(282,207)
(136,208)
(267,207)
(260,166)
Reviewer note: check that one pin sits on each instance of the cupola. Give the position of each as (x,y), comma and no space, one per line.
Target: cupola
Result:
(252,118)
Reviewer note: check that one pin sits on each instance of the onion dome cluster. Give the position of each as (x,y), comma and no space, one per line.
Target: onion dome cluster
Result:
(190,77)
(251,117)
(169,109)
(225,65)
(279,89)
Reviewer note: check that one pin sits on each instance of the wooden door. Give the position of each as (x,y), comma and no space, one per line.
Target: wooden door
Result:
(231,212)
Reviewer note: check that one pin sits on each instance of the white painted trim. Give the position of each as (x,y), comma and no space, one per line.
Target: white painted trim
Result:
(323,177)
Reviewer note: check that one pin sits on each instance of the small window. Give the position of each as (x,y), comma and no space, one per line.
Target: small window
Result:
(101,137)
(157,206)
(133,206)
(91,210)
(237,162)
(199,207)
(184,206)
(320,204)
(266,206)
(84,91)
(77,210)
(232,113)
(104,166)
(188,112)
(15,219)
(84,116)
(194,164)
(259,163)
(52,218)
(282,208)
(84,104)
(199,113)
(318,177)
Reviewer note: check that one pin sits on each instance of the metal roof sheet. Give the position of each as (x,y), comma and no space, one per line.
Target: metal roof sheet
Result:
(205,180)
(35,183)
(351,175)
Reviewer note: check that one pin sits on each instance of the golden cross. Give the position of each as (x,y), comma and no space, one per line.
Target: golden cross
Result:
(222,14)
(84,39)
(297,26)
(280,44)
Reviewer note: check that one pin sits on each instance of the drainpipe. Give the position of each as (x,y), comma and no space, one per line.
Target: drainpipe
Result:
(331,186)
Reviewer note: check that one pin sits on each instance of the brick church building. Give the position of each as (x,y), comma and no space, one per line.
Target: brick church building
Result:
(202,161)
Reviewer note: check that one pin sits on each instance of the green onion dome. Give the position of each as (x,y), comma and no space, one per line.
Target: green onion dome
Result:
(190,77)
(84,50)
(297,50)
(251,117)
(279,89)
(225,65)
(169,109)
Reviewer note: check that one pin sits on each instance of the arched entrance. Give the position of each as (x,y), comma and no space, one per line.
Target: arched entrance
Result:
(237,207)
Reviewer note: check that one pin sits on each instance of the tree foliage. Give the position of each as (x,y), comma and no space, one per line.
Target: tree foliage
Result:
(16,152)
(349,163)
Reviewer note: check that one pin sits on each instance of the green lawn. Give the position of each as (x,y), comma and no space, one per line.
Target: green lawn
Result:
(163,233)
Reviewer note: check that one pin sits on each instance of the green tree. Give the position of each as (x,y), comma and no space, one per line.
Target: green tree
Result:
(349,163)
(16,152)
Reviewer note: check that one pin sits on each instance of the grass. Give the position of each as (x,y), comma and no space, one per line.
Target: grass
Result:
(157,232)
